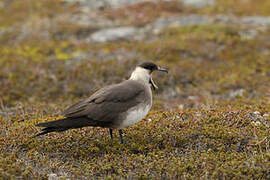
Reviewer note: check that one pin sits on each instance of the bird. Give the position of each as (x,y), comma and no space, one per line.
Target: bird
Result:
(115,106)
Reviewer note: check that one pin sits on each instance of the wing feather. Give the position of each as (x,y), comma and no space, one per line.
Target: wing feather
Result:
(107,103)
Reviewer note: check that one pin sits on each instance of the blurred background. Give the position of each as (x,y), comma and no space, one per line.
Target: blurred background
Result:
(58,51)
(210,118)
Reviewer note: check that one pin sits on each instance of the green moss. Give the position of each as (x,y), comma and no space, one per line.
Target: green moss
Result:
(225,63)
(218,143)
(210,134)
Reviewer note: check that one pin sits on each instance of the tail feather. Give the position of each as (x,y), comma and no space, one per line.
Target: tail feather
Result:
(62,125)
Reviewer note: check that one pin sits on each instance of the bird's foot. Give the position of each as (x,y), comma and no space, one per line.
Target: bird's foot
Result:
(121,136)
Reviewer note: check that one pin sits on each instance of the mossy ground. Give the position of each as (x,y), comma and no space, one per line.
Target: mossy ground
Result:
(211,113)
(218,141)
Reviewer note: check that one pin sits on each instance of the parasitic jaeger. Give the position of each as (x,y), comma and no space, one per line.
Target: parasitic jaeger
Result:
(115,107)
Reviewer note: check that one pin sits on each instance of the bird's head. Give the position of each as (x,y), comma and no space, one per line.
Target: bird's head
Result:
(144,72)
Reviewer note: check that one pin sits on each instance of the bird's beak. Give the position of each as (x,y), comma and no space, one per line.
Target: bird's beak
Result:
(163,69)
(153,84)
(155,87)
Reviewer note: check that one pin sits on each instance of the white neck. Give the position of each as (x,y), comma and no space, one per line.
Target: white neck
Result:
(141,74)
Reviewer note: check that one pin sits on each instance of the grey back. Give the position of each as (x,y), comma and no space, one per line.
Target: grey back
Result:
(110,103)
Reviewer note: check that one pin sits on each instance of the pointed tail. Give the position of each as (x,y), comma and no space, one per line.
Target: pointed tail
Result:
(62,125)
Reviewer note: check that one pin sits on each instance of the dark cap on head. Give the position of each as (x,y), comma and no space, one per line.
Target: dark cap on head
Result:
(149,65)
(152,67)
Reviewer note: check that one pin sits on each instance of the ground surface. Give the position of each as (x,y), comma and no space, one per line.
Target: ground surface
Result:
(211,114)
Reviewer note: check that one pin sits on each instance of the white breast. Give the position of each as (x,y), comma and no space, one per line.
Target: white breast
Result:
(135,115)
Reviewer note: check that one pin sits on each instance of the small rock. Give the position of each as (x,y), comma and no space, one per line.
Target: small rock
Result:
(122,3)
(188,20)
(198,114)
(249,34)
(52,176)
(193,98)
(98,4)
(256,113)
(256,123)
(113,34)
(92,20)
(266,115)
(260,20)
(181,106)
(236,93)
(199,3)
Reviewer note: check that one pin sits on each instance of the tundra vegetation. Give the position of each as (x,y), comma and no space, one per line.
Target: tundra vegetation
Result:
(211,114)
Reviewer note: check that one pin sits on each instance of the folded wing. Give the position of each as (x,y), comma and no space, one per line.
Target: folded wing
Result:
(108,103)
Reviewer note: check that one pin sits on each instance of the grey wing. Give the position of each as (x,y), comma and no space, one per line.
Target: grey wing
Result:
(109,102)
(77,109)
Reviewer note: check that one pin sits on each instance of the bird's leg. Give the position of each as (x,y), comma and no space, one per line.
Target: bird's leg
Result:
(121,136)
(111,133)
